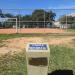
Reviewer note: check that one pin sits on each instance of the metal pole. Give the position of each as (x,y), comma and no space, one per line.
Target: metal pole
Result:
(16,26)
(66,22)
(44,19)
(19,21)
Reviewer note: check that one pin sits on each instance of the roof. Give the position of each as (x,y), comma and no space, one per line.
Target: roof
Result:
(73,15)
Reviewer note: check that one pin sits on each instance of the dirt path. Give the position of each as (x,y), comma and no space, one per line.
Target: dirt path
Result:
(31,30)
(19,44)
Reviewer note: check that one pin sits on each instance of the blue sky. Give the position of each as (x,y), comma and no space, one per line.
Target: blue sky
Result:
(34,4)
(8,4)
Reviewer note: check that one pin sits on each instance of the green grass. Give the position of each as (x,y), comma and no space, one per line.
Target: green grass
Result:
(60,58)
(9,36)
(70,30)
(13,64)
(54,35)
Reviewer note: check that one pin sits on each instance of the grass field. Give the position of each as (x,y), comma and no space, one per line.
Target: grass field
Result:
(13,64)
(70,30)
(60,58)
(53,35)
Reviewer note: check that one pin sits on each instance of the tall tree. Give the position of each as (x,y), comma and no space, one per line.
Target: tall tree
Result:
(8,15)
(42,15)
(38,15)
(26,18)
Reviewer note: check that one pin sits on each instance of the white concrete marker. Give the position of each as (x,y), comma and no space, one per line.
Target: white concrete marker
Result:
(37,56)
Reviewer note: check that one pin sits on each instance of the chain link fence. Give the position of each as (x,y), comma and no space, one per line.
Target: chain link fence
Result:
(18,19)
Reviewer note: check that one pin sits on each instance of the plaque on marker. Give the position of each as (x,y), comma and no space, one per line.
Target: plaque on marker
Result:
(37,47)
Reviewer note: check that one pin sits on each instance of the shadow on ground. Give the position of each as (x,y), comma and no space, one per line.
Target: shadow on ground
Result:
(62,72)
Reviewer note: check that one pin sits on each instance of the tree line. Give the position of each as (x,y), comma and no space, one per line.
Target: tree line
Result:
(38,18)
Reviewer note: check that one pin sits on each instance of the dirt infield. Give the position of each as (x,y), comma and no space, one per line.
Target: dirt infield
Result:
(31,30)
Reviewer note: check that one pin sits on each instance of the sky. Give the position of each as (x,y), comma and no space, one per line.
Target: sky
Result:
(34,4)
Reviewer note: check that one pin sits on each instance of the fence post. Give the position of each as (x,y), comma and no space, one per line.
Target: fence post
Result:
(44,18)
(66,22)
(16,26)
